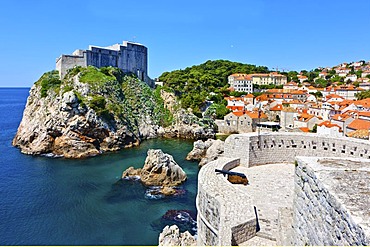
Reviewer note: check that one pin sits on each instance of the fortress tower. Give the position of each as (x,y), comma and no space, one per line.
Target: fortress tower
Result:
(128,56)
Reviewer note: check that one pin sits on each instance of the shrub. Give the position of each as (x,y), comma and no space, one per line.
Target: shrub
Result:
(49,80)
(94,75)
(97,103)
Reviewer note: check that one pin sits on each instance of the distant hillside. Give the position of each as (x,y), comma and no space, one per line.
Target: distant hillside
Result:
(193,85)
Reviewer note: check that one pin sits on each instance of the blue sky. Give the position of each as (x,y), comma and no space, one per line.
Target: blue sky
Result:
(288,34)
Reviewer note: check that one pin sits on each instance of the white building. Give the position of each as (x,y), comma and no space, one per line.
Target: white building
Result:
(241,82)
(326,128)
(351,78)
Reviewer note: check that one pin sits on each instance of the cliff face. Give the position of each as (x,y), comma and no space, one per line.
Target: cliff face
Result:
(93,111)
(184,123)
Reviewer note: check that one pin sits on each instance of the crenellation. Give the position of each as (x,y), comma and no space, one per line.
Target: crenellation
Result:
(128,56)
(329,206)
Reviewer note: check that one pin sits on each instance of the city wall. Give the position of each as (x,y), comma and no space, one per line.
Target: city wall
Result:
(331,204)
(226,218)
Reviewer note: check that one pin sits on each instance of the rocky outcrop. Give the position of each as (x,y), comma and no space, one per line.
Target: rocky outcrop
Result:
(80,117)
(206,151)
(185,124)
(160,169)
(213,152)
(170,101)
(171,236)
(93,111)
(188,126)
(199,149)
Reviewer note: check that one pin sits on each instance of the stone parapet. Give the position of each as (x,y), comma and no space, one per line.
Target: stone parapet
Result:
(268,148)
(332,201)
(218,223)
(227,217)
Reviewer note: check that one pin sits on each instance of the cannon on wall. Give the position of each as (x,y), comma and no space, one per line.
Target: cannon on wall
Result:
(234,177)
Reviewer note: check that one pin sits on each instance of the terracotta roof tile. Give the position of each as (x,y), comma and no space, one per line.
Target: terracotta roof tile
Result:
(304,129)
(359,124)
(276,108)
(328,124)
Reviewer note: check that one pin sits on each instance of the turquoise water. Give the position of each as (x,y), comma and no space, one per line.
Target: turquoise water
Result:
(46,201)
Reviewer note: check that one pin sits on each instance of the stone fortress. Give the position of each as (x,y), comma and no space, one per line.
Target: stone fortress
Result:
(128,56)
(304,189)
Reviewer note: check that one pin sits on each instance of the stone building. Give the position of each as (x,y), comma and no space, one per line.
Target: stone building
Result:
(241,82)
(128,56)
(271,78)
(240,122)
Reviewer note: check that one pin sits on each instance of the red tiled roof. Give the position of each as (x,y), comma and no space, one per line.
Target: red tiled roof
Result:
(364,113)
(238,113)
(359,124)
(254,115)
(235,108)
(276,108)
(328,124)
(304,129)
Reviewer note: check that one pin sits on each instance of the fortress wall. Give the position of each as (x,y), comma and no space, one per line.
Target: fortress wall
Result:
(220,221)
(275,147)
(100,57)
(134,57)
(219,224)
(66,62)
(328,208)
(129,57)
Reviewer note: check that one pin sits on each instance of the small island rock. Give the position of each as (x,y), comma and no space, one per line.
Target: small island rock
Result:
(171,236)
(206,151)
(199,149)
(160,169)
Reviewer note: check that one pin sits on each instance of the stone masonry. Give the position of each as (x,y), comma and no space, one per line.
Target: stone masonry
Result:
(128,56)
(331,195)
(332,202)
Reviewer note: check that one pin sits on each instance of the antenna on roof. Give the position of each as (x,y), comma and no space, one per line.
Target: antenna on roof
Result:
(277,69)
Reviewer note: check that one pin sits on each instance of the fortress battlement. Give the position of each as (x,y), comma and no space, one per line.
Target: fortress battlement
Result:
(304,190)
(129,56)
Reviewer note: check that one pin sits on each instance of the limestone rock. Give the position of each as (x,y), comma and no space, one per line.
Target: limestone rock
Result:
(131,172)
(66,122)
(188,126)
(213,152)
(171,236)
(199,149)
(160,169)
(169,100)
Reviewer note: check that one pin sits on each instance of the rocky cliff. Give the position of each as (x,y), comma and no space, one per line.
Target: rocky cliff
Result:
(206,151)
(92,111)
(185,124)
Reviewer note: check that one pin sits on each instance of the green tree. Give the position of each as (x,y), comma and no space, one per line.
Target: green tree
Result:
(363,95)
(321,83)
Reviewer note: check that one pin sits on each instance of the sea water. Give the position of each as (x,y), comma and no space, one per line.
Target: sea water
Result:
(56,201)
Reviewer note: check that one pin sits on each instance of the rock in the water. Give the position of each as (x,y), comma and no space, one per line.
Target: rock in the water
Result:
(171,236)
(199,149)
(160,169)
(213,152)
(131,173)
